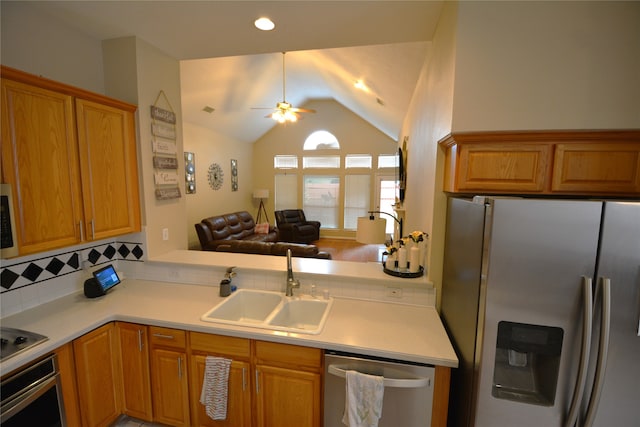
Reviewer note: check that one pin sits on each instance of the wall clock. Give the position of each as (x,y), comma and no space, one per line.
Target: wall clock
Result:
(216,177)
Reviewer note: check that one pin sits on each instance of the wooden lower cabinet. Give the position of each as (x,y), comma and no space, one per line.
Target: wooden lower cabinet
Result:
(67,370)
(169,376)
(135,373)
(98,376)
(156,374)
(288,386)
(239,386)
(286,397)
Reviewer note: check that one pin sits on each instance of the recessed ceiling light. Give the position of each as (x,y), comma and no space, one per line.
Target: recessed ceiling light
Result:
(264,24)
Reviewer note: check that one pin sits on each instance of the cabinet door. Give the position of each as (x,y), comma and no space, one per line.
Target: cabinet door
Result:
(597,168)
(40,161)
(170,387)
(97,374)
(286,397)
(520,168)
(136,382)
(238,396)
(67,369)
(106,138)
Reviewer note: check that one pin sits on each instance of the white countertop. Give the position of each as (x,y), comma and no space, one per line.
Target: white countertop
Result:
(397,331)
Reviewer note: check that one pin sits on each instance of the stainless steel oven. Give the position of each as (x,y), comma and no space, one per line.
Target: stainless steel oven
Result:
(33,396)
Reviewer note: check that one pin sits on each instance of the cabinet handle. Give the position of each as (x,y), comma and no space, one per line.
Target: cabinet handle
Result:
(81,225)
(257,382)
(180,367)
(163,336)
(93,229)
(244,379)
(140,332)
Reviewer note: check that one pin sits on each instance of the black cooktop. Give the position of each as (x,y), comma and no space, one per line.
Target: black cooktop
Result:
(14,341)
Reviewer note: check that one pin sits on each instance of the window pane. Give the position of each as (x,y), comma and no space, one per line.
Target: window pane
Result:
(285,162)
(357,161)
(286,189)
(322,162)
(387,200)
(356,199)
(321,140)
(320,199)
(388,161)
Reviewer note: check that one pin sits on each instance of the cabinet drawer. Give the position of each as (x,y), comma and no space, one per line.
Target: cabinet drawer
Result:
(167,337)
(219,344)
(288,356)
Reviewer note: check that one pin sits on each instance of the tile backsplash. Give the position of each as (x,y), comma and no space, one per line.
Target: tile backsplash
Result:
(32,280)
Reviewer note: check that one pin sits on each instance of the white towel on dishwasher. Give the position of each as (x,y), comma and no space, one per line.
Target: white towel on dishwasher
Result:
(363,399)
(215,387)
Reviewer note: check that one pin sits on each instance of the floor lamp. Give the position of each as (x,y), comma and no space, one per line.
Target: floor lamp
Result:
(261,194)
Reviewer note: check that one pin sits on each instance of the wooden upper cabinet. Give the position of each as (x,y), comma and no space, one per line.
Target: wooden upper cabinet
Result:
(40,162)
(109,168)
(70,158)
(587,163)
(597,168)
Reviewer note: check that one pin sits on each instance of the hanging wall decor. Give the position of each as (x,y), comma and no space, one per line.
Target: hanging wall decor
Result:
(234,175)
(165,161)
(215,176)
(190,172)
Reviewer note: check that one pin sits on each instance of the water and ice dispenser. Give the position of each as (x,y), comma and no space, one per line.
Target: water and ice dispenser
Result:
(527,363)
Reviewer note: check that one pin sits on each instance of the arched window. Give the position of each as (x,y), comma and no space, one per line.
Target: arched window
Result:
(321,140)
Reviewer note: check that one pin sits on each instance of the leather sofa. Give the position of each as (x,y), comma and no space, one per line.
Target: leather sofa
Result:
(221,229)
(273,248)
(294,227)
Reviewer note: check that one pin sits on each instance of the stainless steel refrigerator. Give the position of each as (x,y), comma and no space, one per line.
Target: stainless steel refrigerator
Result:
(541,299)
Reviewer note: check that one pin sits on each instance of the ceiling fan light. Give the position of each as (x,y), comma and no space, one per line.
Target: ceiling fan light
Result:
(264,24)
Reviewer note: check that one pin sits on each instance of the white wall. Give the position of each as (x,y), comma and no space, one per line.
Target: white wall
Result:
(355,136)
(31,41)
(547,65)
(428,120)
(210,147)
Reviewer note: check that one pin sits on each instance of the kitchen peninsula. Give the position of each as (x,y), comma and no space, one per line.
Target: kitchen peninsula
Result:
(365,326)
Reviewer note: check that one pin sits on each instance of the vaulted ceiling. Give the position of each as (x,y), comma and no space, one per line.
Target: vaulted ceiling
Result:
(230,66)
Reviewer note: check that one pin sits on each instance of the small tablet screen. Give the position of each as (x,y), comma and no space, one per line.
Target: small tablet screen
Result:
(107,277)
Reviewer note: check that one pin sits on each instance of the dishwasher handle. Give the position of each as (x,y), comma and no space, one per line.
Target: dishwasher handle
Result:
(419,382)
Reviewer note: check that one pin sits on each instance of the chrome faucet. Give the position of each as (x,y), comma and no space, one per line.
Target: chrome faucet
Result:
(291,282)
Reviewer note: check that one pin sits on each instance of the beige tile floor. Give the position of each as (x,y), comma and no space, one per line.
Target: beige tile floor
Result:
(125,421)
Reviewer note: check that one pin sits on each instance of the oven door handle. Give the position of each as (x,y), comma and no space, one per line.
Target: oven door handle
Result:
(23,400)
(341,371)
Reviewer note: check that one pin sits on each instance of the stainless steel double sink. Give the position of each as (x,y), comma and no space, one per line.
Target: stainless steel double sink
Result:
(272,310)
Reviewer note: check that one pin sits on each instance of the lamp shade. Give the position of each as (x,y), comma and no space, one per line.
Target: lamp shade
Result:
(371,231)
(261,194)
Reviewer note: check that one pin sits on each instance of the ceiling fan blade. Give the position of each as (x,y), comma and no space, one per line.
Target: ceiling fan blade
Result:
(302,110)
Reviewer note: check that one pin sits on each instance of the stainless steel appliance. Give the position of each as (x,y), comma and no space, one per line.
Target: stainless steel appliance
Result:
(408,389)
(541,299)
(15,341)
(33,397)
(8,239)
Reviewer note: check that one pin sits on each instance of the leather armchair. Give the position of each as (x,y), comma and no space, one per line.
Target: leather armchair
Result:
(294,227)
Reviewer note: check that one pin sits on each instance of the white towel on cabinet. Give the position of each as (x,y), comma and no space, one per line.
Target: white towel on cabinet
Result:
(363,399)
(215,387)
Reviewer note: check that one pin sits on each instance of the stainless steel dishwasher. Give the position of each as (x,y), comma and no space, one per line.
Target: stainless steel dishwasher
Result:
(408,389)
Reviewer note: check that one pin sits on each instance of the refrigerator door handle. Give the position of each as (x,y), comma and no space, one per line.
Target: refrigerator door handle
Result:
(604,292)
(587,320)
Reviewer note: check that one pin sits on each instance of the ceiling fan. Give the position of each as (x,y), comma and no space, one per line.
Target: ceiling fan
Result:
(284,111)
